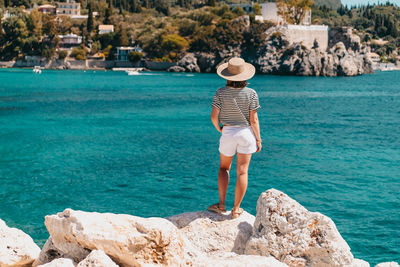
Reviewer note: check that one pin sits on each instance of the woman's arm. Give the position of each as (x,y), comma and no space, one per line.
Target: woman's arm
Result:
(255,125)
(214,118)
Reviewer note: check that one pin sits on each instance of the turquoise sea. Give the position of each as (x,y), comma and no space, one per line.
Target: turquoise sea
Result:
(144,145)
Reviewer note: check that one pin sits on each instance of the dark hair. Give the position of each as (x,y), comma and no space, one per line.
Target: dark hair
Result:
(236,84)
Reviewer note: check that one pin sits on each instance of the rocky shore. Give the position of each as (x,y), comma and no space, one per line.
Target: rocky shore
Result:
(345,57)
(283,233)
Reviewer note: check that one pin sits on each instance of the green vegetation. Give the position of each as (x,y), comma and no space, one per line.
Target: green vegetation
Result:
(62,54)
(135,56)
(165,30)
(293,11)
(79,53)
(370,22)
(334,4)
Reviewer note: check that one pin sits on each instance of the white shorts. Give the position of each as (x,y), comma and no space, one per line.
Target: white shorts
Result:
(237,139)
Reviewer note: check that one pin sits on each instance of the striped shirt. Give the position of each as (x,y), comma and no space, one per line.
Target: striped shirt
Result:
(235,105)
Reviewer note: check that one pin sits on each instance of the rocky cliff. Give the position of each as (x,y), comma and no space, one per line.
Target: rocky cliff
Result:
(283,233)
(346,56)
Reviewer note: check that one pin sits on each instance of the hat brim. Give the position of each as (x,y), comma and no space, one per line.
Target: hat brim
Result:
(248,73)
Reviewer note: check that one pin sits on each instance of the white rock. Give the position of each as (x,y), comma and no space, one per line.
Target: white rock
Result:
(61,262)
(388,264)
(49,253)
(129,240)
(211,232)
(16,247)
(286,230)
(231,259)
(360,263)
(97,258)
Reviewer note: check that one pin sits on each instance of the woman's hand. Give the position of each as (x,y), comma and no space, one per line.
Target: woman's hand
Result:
(214,119)
(259,146)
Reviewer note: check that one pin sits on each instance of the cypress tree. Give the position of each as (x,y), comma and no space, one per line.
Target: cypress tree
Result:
(89,25)
(109,12)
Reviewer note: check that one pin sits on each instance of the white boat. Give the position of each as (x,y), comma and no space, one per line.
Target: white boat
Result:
(132,72)
(37,70)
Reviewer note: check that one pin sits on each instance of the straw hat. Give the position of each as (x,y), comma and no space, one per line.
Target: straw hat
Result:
(236,69)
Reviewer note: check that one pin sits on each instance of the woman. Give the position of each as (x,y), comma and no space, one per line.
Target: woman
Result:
(235,107)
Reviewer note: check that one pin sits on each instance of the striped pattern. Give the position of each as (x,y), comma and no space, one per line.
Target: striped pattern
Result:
(235,105)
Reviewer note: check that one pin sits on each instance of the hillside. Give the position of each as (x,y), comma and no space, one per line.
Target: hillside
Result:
(334,4)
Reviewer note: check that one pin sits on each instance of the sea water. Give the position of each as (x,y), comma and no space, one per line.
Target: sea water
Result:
(144,145)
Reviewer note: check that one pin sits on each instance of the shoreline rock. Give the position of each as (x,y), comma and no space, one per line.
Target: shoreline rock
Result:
(289,232)
(283,233)
(16,247)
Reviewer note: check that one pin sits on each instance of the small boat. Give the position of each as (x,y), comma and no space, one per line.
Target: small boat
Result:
(132,72)
(37,70)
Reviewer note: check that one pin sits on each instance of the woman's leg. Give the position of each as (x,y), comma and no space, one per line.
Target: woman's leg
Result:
(243,162)
(223,178)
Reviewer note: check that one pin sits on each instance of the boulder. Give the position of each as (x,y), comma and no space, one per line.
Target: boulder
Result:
(97,258)
(211,232)
(329,65)
(206,62)
(348,66)
(230,259)
(16,247)
(388,264)
(129,240)
(360,263)
(176,69)
(189,63)
(289,232)
(61,262)
(48,253)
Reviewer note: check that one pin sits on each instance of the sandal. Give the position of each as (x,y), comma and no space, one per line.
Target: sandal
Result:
(215,208)
(236,213)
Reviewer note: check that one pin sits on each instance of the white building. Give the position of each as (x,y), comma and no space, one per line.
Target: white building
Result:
(70,40)
(68,8)
(307,35)
(106,29)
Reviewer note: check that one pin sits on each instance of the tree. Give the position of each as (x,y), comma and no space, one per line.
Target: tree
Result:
(135,56)
(257,9)
(211,2)
(122,37)
(162,7)
(238,11)
(79,53)
(134,6)
(35,23)
(89,25)
(293,11)
(62,54)
(109,12)
(174,43)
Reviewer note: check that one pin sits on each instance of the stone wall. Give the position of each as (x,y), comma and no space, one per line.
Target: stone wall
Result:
(77,64)
(155,65)
(100,64)
(7,64)
(307,35)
